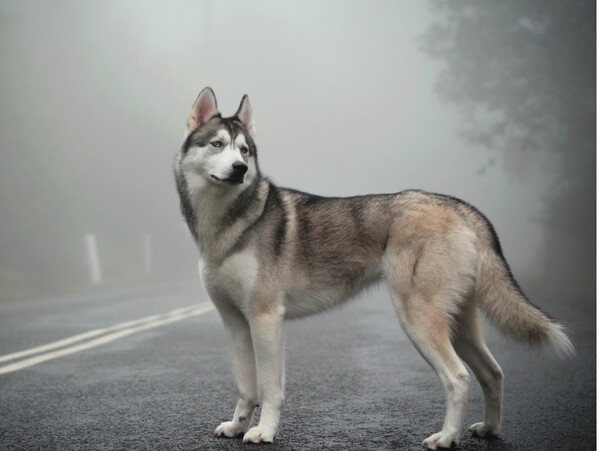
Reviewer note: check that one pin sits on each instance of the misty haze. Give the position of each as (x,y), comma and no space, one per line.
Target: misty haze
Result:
(493,102)
(96,98)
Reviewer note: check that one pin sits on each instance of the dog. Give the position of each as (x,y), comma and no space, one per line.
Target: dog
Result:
(272,253)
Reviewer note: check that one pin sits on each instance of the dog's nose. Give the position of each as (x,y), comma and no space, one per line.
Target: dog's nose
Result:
(239,168)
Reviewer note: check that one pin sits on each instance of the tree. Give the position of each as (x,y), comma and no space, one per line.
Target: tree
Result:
(523,74)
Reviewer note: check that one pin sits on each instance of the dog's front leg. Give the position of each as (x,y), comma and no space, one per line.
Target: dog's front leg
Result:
(267,337)
(239,344)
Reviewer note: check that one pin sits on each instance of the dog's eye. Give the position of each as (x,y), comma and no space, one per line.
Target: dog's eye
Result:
(244,150)
(216,144)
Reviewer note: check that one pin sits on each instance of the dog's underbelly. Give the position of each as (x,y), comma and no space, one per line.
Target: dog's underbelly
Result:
(318,295)
(235,279)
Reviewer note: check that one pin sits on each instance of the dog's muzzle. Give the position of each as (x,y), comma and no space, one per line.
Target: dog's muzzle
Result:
(238,170)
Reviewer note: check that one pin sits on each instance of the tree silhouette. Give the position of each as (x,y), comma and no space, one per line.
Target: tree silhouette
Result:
(523,73)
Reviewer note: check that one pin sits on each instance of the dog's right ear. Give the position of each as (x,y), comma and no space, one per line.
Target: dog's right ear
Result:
(204,108)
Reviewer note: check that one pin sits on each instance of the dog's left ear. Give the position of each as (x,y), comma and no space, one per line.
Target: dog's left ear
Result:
(244,114)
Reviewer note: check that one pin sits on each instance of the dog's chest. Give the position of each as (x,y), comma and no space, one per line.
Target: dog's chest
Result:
(234,278)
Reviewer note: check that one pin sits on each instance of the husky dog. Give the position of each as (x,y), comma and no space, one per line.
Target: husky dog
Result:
(272,253)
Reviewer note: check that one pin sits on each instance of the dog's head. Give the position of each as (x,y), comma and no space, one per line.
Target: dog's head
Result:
(219,150)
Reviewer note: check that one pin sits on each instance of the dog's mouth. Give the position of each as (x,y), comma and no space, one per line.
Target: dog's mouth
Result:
(232,180)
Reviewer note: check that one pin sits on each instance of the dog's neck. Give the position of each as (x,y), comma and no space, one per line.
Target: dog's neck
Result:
(212,220)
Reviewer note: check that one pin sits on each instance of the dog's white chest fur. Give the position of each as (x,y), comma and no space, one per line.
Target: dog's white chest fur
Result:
(234,278)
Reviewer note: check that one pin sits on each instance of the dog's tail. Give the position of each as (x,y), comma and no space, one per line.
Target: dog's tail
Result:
(506,306)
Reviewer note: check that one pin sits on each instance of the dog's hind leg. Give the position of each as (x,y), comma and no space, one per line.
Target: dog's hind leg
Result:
(241,350)
(428,327)
(470,345)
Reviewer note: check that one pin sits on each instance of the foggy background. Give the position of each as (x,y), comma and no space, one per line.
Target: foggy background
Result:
(489,101)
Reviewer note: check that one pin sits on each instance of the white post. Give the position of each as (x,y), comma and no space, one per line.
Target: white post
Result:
(147,254)
(91,247)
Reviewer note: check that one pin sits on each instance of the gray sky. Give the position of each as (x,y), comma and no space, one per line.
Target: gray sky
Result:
(95,96)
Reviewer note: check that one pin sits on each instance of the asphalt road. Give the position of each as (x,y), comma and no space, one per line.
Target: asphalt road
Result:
(353,379)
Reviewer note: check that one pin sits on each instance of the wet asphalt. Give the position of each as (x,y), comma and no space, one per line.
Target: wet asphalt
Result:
(353,379)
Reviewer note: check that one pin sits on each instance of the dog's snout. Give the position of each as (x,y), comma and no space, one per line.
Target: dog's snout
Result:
(239,168)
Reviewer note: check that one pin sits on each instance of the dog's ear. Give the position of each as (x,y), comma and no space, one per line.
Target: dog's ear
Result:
(244,114)
(204,108)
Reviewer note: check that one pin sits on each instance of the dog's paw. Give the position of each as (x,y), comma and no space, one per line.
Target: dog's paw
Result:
(443,439)
(484,430)
(230,429)
(259,434)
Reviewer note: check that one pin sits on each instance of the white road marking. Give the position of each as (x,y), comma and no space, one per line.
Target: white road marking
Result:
(106,335)
(89,334)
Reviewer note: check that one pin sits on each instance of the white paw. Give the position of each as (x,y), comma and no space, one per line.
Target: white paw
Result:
(260,434)
(230,429)
(484,430)
(443,439)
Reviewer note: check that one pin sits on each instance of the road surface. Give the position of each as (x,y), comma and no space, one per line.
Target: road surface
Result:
(162,381)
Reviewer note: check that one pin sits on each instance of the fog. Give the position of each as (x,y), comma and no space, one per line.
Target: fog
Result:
(349,97)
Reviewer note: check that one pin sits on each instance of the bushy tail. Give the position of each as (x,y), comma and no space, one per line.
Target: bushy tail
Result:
(504,304)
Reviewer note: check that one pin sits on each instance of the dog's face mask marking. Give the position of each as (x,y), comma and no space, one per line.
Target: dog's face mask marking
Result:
(219,159)
(219,150)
